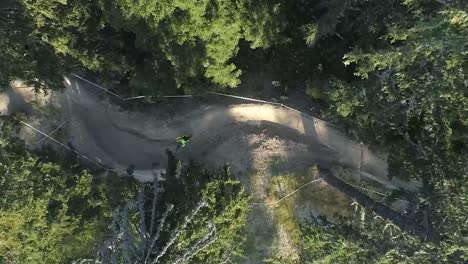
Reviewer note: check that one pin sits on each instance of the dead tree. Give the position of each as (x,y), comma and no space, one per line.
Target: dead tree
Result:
(139,242)
(403,222)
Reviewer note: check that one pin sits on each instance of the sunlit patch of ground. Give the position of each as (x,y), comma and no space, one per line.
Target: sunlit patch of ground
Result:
(274,228)
(269,148)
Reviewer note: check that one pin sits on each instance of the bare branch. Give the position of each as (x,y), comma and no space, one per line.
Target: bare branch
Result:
(177,232)
(158,231)
(153,206)
(141,209)
(194,249)
(82,261)
(228,258)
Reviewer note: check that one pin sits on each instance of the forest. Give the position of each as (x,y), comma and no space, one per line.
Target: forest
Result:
(393,75)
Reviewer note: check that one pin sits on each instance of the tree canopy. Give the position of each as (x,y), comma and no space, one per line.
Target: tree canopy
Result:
(50,214)
(393,73)
(168,40)
(411,96)
(53,214)
(23,54)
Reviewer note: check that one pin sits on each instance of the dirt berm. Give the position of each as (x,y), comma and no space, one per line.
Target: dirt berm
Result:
(246,136)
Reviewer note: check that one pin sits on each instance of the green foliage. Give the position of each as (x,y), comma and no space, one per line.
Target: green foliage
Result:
(76,29)
(415,88)
(324,242)
(142,43)
(372,241)
(408,95)
(413,96)
(202,221)
(48,214)
(314,89)
(262,22)
(22,54)
(327,15)
(411,99)
(196,37)
(227,208)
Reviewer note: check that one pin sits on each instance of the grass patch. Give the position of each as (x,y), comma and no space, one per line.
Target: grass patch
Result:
(288,231)
(285,211)
(260,236)
(274,229)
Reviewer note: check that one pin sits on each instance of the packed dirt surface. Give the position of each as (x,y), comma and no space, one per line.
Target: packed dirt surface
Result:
(258,141)
(237,134)
(221,134)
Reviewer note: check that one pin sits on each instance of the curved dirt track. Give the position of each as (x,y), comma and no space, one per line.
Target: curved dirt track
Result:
(246,136)
(260,141)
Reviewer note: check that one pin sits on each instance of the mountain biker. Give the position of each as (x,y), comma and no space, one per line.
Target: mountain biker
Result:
(182,141)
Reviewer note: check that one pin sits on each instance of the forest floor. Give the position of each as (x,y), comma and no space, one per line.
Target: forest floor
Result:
(271,150)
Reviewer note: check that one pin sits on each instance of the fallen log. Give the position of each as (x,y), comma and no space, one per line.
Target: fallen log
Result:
(403,222)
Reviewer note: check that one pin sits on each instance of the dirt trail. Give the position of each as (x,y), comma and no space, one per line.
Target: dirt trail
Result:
(221,134)
(259,141)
